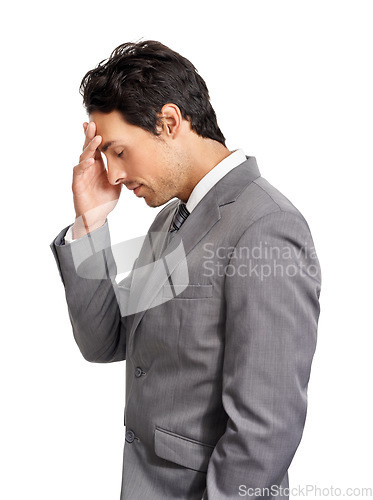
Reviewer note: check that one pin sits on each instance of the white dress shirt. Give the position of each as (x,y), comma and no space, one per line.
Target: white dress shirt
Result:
(204,185)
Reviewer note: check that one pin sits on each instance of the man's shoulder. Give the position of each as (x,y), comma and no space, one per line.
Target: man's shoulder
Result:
(262,198)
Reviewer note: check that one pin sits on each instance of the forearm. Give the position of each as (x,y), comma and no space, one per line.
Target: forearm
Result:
(87,269)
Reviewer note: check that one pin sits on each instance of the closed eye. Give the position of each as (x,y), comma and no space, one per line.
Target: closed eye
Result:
(120,154)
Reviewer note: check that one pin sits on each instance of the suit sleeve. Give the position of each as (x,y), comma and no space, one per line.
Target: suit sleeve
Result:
(87,269)
(272,289)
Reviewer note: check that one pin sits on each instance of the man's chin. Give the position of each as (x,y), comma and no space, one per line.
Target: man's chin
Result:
(151,202)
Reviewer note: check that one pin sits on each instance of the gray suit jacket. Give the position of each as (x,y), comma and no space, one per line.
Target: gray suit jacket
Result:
(219,349)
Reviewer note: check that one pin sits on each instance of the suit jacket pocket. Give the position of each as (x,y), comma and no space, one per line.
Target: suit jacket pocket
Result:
(182,450)
(187,291)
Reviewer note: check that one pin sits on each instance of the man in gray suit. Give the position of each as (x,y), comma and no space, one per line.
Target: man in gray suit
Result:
(217,320)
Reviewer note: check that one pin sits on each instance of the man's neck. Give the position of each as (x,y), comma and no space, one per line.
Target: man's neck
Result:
(210,154)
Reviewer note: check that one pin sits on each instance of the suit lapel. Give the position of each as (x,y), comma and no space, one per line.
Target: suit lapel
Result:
(167,256)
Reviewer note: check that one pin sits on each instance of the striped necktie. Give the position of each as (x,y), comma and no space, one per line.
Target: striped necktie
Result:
(179,217)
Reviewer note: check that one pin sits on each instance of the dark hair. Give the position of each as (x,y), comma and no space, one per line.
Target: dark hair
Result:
(139,78)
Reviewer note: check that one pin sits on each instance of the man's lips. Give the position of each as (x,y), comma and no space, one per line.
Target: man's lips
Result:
(133,187)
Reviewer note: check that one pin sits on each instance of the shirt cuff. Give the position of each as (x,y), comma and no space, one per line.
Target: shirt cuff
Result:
(69,235)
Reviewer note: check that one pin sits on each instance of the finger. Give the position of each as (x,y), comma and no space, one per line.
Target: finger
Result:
(92,129)
(85,128)
(90,132)
(91,148)
(82,166)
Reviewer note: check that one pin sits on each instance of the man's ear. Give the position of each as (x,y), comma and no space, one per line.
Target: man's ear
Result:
(170,118)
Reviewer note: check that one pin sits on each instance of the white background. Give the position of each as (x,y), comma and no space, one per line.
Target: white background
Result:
(291,83)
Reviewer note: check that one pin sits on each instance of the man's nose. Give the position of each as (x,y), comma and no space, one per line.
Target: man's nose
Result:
(115,174)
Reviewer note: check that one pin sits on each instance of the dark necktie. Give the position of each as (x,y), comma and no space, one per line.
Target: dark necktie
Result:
(179,218)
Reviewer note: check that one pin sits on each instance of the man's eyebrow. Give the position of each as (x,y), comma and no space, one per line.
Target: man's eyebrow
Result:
(107,145)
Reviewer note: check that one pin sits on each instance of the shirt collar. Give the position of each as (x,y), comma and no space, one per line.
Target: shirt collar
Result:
(213,176)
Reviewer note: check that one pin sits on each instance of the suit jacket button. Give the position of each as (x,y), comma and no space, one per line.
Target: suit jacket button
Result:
(130,436)
(138,372)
